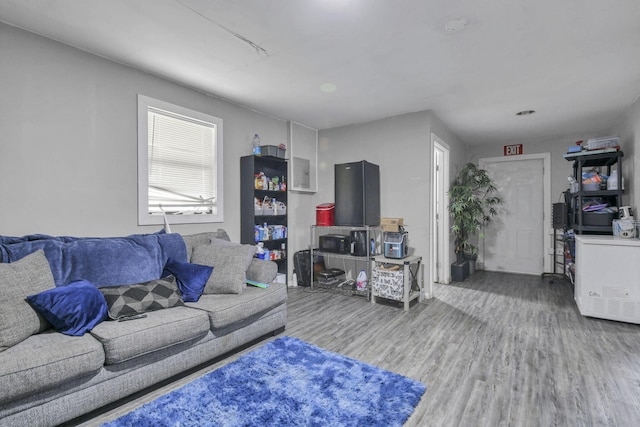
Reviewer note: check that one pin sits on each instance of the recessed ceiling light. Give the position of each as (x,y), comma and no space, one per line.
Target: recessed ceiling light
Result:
(525,112)
(328,87)
(457,24)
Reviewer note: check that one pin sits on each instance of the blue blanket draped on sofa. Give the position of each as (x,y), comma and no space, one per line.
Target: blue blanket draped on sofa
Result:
(104,261)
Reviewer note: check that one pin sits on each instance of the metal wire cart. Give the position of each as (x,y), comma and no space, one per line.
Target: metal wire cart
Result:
(563,243)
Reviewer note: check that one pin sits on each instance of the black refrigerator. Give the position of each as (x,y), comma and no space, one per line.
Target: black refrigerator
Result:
(357,193)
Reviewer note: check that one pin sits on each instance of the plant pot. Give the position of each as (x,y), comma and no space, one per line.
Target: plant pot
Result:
(471,258)
(459,271)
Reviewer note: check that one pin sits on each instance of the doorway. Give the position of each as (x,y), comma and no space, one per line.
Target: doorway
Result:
(439,271)
(515,241)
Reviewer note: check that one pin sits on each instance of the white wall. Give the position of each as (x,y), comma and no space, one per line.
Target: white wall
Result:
(401,146)
(68,148)
(561,169)
(629,132)
(459,152)
(68,141)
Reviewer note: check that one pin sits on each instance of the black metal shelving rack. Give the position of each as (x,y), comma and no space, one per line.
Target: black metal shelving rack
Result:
(584,160)
(558,222)
(574,201)
(270,166)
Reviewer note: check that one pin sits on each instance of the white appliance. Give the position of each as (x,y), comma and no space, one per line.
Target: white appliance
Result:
(607,282)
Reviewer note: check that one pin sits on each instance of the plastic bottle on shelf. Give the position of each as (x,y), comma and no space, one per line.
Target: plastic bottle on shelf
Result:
(612,181)
(361,281)
(255,145)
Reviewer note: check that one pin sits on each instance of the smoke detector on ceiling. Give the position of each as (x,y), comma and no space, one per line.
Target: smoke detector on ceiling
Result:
(457,24)
(328,87)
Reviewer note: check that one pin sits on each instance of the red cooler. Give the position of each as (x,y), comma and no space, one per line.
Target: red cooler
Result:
(325,214)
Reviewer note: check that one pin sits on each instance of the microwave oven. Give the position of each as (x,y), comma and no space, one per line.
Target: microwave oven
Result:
(336,243)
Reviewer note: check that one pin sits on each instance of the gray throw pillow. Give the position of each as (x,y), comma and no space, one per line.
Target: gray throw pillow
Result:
(27,276)
(249,254)
(193,240)
(129,300)
(229,264)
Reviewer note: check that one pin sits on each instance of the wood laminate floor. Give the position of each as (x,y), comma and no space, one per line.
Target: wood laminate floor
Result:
(496,350)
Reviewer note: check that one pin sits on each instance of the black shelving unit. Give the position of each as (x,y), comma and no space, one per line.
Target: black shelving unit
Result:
(575,200)
(250,166)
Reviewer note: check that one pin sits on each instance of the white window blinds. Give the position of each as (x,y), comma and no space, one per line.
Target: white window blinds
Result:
(181,164)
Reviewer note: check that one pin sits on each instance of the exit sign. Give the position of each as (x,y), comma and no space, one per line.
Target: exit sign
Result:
(513,150)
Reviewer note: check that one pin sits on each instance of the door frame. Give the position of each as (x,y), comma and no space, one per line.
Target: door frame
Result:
(439,247)
(546,199)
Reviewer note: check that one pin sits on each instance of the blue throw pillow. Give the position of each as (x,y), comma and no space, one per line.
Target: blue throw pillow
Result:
(72,309)
(191,278)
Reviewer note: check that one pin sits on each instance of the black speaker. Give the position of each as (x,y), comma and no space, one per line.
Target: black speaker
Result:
(357,192)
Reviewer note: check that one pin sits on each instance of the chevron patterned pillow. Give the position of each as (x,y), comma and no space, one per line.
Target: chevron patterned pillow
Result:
(129,300)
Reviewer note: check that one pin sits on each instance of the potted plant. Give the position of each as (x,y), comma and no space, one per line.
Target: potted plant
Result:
(472,204)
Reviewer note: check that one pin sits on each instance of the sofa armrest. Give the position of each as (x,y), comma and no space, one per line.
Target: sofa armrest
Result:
(262,271)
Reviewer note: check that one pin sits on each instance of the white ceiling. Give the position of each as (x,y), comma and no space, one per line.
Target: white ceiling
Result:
(576,62)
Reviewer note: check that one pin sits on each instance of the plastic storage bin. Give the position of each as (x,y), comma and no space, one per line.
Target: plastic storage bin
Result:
(604,142)
(267,210)
(273,150)
(387,283)
(626,229)
(599,219)
(591,186)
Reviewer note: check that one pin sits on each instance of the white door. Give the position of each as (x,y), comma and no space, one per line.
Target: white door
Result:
(440,216)
(514,240)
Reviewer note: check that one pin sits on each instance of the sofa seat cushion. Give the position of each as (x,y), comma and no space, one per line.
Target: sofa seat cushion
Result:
(47,360)
(226,309)
(159,329)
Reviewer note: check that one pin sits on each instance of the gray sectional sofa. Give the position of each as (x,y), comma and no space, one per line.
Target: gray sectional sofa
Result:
(50,378)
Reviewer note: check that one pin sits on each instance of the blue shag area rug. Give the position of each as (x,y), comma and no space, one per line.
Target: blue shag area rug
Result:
(286,382)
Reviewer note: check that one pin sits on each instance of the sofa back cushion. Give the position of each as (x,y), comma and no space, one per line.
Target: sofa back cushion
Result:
(27,276)
(104,261)
(230,264)
(193,240)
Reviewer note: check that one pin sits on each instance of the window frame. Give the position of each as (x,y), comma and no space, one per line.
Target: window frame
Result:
(144,217)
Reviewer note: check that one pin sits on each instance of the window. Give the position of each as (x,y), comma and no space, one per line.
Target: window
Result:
(179,164)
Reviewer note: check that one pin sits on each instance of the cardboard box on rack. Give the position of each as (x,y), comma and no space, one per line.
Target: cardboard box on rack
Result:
(391,224)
